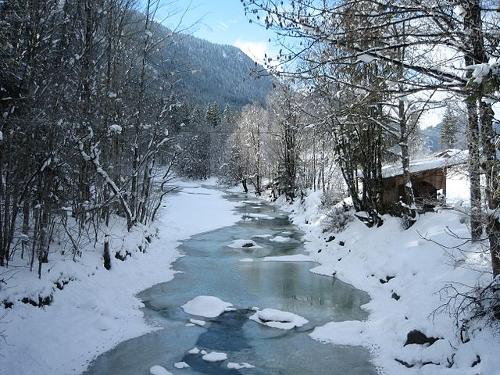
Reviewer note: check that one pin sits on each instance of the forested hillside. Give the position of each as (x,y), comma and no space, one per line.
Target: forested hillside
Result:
(94,98)
(210,72)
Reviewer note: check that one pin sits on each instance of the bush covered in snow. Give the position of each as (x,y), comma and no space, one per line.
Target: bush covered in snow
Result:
(338,217)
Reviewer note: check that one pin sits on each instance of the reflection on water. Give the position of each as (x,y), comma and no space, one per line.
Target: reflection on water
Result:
(210,267)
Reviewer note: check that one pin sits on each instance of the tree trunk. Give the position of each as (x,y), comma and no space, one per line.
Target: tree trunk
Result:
(474,171)
(106,255)
(409,211)
(475,54)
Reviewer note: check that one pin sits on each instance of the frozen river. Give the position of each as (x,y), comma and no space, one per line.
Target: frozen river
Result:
(211,267)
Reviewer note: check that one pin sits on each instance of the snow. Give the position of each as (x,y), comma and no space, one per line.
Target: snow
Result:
(195,350)
(278,319)
(479,71)
(115,129)
(289,258)
(100,307)
(366,58)
(239,366)
(351,332)
(247,260)
(420,269)
(457,187)
(181,365)
(244,244)
(262,236)
(440,160)
(207,306)
(159,370)
(214,357)
(197,322)
(281,239)
(258,216)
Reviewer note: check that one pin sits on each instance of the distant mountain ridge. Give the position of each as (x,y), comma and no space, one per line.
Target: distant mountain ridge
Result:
(209,72)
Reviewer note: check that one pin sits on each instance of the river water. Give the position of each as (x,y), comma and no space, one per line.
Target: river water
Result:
(210,267)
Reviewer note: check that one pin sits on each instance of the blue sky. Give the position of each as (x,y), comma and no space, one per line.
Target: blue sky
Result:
(219,21)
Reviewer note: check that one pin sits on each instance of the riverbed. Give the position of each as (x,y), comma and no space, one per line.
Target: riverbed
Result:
(242,276)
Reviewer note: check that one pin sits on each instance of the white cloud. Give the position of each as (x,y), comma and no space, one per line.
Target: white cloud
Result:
(254,49)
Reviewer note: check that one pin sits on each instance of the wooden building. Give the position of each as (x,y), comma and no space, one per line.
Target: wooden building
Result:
(428,177)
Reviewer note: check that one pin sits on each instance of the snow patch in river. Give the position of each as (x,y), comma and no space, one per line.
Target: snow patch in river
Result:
(238,366)
(197,322)
(214,357)
(159,370)
(181,365)
(207,306)
(258,216)
(281,239)
(262,236)
(278,319)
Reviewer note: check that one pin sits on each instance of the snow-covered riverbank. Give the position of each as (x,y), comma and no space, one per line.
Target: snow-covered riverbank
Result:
(403,271)
(97,308)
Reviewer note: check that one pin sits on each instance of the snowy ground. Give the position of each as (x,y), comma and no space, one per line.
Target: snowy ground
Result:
(403,271)
(98,309)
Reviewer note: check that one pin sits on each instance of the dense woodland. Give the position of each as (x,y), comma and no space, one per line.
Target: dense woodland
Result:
(100,105)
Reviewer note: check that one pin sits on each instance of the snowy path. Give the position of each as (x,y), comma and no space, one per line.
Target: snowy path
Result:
(100,309)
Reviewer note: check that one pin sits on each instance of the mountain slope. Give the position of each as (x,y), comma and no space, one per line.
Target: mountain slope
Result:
(209,72)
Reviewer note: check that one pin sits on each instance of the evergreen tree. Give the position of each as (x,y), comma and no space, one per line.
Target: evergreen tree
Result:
(213,115)
(449,128)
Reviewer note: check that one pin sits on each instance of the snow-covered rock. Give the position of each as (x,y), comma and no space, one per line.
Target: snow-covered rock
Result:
(181,365)
(207,306)
(214,357)
(278,319)
(195,350)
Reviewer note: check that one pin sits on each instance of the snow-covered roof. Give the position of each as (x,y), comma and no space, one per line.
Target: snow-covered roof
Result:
(442,159)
